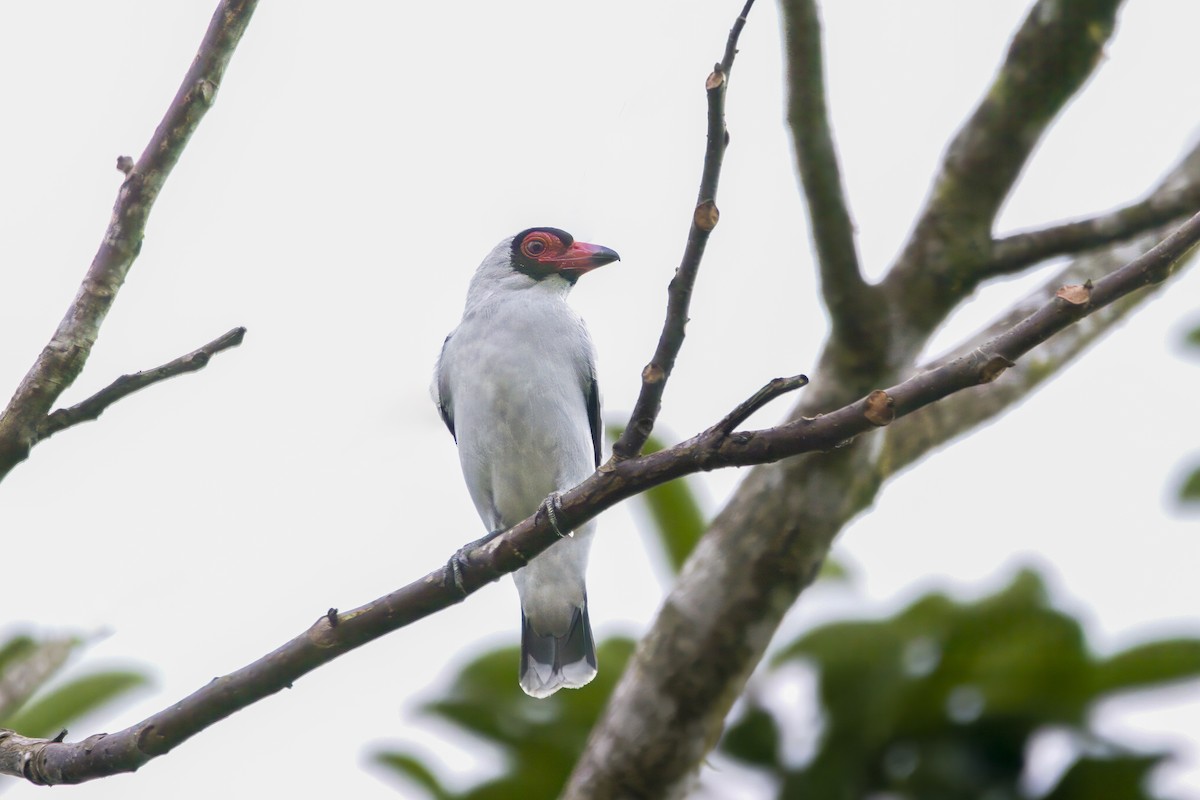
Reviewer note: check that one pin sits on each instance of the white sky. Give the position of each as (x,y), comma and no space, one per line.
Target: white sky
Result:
(357,166)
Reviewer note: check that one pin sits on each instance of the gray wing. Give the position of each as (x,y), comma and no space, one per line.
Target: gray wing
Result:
(442,393)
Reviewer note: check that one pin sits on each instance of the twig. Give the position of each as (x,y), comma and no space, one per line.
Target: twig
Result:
(852,303)
(126,385)
(679,292)
(1014,253)
(46,762)
(63,358)
(777,387)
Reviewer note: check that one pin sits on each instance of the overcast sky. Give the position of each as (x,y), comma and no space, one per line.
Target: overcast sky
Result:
(357,166)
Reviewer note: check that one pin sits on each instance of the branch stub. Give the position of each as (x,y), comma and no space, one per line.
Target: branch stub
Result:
(1075,294)
(706,215)
(880,408)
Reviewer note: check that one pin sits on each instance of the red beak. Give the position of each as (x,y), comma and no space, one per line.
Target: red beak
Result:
(582,257)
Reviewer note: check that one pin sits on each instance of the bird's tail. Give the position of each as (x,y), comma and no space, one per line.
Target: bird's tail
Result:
(549,663)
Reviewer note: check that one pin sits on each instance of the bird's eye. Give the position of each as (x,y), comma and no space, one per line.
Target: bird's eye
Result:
(535,246)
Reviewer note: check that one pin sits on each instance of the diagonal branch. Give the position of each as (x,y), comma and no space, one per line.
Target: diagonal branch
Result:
(768,544)
(937,424)
(91,408)
(605,767)
(1056,49)
(679,292)
(1014,253)
(63,358)
(852,303)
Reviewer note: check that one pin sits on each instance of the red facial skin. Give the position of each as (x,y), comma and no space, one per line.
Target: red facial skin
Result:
(579,257)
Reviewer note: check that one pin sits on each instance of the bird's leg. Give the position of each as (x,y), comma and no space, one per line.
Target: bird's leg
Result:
(454,566)
(552,500)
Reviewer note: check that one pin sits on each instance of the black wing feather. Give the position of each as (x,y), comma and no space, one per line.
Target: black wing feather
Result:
(442,404)
(593,406)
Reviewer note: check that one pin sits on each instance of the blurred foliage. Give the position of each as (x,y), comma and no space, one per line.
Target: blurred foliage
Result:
(939,702)
(28,664)
(942,701)
(1189,490)
(540,739)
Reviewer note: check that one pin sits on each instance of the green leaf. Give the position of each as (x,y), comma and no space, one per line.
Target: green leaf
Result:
(1149,665)
(17,648)
(675,515)
(754,738)
(540,739)
(1121,777)
(1189,492)
(30,664)
(834,570)
(48,715)
(412,768)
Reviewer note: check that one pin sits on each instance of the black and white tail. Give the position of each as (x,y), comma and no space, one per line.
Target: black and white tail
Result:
(550,663)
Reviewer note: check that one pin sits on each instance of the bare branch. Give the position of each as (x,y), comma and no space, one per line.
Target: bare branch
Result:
(851,301)
(775,388)
(126,385)
(959,414)
(49,762)
(679,292)
(769,543)
(63,358)
(1014,253)
(1056,49)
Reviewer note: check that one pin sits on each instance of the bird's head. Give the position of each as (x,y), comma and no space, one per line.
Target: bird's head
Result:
(542,252)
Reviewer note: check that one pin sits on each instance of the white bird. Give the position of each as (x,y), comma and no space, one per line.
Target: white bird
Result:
(516,386)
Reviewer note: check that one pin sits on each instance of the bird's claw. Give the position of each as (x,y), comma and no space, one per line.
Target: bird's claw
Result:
(454,572)
(454,567)
(552,500)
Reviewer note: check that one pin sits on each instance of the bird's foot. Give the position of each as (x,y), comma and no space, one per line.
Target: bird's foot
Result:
(552,500)
(454,567)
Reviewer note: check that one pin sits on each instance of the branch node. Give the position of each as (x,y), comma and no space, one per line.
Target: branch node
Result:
(879,408)
(1076,294)
(993,366)
(706,215)
(208,91)
(125,164)
(715,79)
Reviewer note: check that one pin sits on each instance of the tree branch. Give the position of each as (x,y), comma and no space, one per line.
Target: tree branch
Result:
(600,773)
(769,543)
(679,292)
(91,408)
(852,303)
(775,388)
(1056,49)
(63,358)
(937,424)
(1014,253)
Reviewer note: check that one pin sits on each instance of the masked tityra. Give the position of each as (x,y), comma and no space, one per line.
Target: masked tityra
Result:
(516,386)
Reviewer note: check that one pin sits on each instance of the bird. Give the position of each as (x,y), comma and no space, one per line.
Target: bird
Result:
(516,385)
